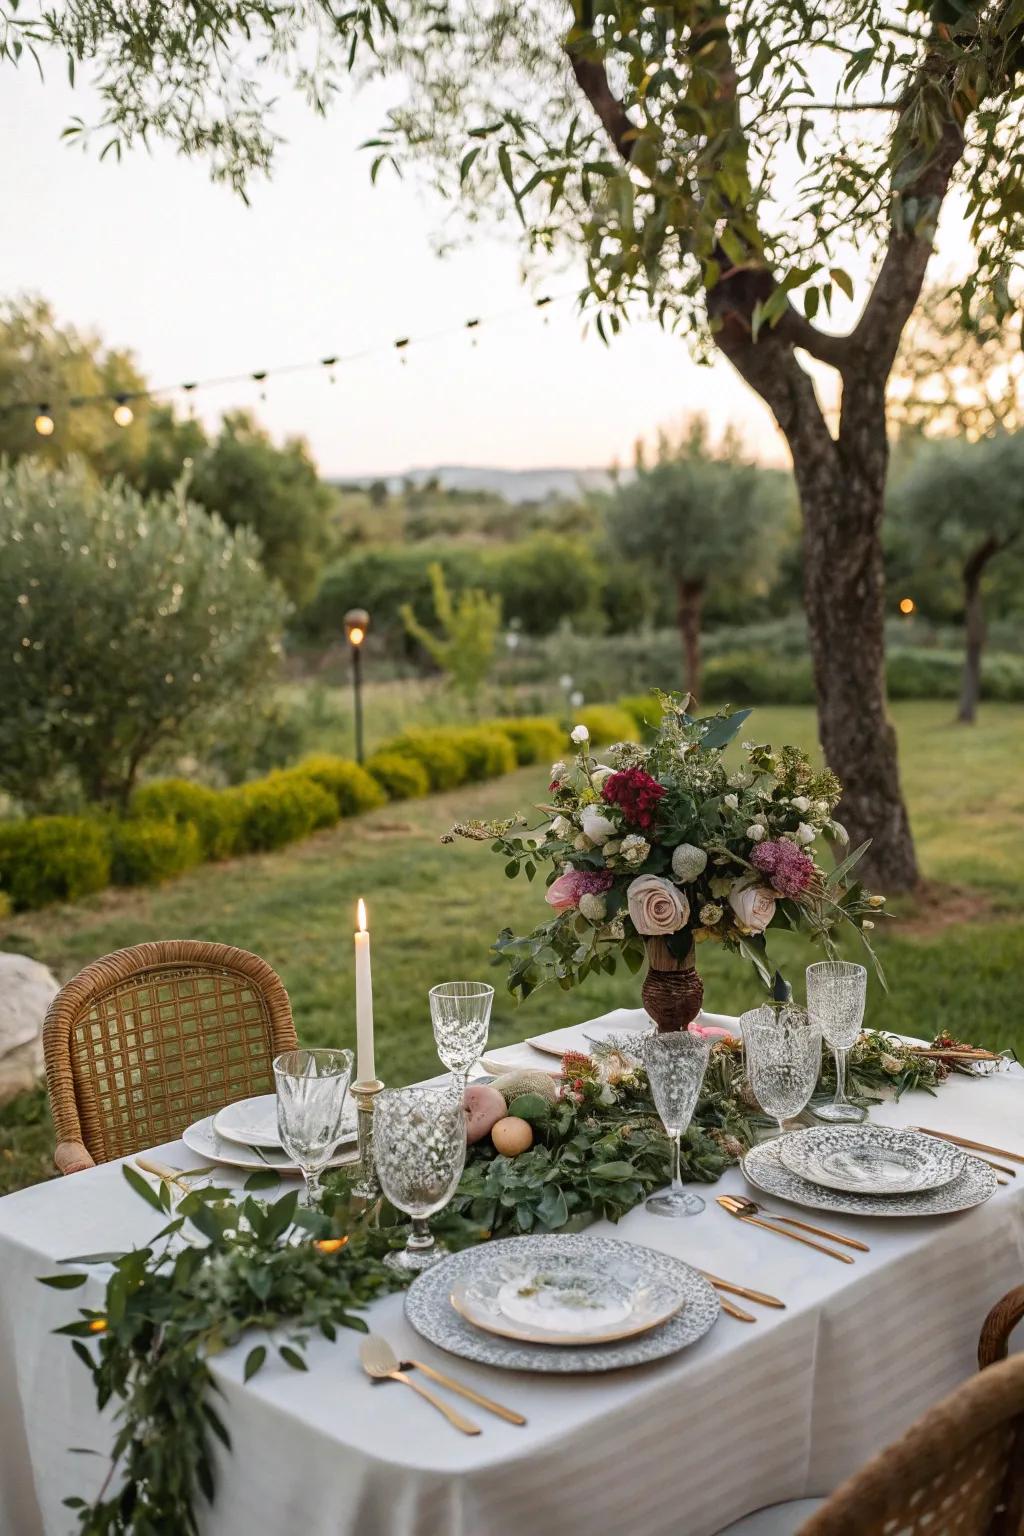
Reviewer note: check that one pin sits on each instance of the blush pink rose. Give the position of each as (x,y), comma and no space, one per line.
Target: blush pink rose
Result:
(754,906)
(656,905)
(565,892)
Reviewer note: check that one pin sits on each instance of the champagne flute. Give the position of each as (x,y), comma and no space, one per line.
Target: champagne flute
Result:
(311,1089)
(460,1012)
(836,994)
(783,1051)
(675,1065)
(419,1147)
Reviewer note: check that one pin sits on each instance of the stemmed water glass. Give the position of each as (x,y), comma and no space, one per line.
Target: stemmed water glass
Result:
(419,1147)
(461,1015)
(783,1054)
(675,1065)
(311,1091)
(836,994)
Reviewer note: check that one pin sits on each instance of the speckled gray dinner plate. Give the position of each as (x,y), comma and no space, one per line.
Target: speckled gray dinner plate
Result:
(764,1168)
(428,1307)
(870,1159)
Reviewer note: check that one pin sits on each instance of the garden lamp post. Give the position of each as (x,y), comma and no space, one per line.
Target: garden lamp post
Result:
(357,622)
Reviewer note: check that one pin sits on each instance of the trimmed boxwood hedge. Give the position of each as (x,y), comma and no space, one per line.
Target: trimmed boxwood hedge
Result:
(144,852)
(52,858)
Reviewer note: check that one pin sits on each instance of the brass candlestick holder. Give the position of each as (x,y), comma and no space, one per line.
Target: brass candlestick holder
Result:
(364,1094)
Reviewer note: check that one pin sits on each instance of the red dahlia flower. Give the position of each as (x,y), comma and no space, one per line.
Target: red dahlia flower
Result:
(636,794)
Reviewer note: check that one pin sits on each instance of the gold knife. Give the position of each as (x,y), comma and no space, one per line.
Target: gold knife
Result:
(972,1146)
(735,1311)
(474,1397)
(742,1290)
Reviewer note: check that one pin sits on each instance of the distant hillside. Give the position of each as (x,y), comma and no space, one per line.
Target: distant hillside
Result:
(512,484)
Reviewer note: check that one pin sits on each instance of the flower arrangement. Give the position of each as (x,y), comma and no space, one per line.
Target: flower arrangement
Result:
(665,846)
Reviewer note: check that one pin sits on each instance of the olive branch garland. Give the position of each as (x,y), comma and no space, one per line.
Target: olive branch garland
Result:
(221,1267)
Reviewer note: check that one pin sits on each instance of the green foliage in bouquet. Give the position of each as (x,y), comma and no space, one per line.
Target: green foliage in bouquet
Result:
(671,841)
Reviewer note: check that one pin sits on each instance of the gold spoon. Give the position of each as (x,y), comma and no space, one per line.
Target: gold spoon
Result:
(381,1362)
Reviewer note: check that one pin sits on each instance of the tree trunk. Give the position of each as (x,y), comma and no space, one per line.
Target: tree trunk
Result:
(974,630)
(689,599)
(842,499)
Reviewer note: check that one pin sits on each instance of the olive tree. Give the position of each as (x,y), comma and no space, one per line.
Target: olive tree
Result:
(124,621)
(959,507)
(704,520)
(711,161)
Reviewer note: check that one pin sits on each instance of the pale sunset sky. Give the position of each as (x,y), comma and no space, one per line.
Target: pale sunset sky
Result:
(156,257)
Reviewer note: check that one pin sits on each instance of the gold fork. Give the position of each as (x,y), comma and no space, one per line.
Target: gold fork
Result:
(735,1206)
(805,1226)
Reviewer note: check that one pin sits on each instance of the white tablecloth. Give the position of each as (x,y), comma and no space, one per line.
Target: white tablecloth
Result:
(750,1415)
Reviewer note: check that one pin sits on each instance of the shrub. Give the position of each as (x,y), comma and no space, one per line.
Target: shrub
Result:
(144,851)
(52,858)
(486,753)
(606,722)
(747,677)
(445,765)
(399,776)
(353,789)
(534,740)
(279,809)
(214,815)
(125,620)
(645,712)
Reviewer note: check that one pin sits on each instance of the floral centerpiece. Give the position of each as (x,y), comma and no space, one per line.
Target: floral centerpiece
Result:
(664,847)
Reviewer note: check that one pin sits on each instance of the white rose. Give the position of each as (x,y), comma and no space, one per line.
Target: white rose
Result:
(805,834)
(688,861)
(597,827)
(800,803)
(755,832)
(579,734)
(732,801)
(754,906)
(593,907)
(634,849)
(656,905)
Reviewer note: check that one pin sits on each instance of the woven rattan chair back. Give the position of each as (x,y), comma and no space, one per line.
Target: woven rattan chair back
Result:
(146,1040)
(959,1471)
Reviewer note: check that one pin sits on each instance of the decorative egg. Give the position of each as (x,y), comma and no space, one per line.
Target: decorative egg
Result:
(484,1106)
(512,1136)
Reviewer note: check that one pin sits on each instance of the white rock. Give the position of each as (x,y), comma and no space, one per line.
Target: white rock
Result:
(26,991)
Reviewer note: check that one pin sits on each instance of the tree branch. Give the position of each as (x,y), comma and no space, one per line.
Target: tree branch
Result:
(592,79)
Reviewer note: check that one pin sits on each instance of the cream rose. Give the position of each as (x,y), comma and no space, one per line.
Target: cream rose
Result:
(754,906)
(597,827)
(656,905)
(579,734)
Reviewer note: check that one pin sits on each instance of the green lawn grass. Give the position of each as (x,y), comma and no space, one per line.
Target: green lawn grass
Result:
(953,962)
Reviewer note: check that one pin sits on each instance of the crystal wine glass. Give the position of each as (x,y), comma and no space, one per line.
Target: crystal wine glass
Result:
(836,993)
(783,1051)
(311,1091)
(461,1014)
(419,1146)
(675,1065)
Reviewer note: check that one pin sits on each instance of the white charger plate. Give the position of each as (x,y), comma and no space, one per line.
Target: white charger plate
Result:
(202,1138)
(253,1122)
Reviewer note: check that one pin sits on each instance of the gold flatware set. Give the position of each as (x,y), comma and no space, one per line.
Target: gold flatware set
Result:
(746,1210)
(382,1364)
(979,1148)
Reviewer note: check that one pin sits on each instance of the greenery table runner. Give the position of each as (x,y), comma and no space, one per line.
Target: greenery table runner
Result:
(226,1264)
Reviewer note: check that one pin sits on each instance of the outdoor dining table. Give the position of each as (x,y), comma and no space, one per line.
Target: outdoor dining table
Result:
(750,1415)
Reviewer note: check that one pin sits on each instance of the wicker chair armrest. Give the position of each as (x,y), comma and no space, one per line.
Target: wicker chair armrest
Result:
(993,1344)
(72,1157)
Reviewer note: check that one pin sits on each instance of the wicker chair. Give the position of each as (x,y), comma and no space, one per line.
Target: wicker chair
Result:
(146,1040)
(959,1471)
(994,1343)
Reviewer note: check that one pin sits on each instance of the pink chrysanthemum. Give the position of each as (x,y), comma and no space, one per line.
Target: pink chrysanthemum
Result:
(789,870)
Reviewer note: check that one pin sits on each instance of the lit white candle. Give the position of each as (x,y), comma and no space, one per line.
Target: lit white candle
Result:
(364,1000)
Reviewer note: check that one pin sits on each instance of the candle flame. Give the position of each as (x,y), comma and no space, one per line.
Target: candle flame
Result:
(361,915)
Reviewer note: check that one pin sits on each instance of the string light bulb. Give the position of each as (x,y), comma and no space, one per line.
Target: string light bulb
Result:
(123,413)
(907,605)
(44,422)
